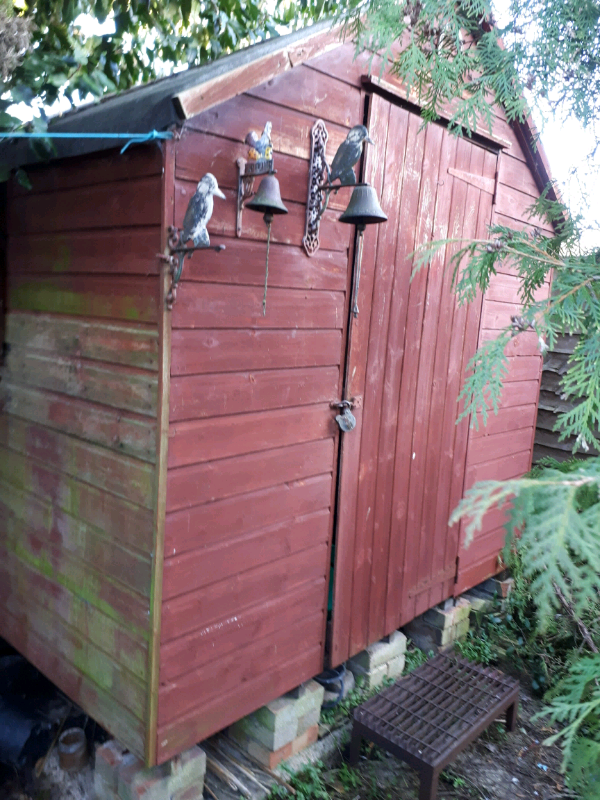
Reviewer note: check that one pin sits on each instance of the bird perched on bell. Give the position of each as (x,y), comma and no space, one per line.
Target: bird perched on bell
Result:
(260,146)
(347,156)
(197,216)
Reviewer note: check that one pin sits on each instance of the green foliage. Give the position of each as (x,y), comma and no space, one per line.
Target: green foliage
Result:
(308,784)
(414,657)
(358,695)
(477,646)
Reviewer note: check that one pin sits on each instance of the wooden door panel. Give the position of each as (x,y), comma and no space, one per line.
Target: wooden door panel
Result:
(402,468)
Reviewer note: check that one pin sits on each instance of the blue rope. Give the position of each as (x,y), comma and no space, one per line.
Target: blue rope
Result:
(133,138)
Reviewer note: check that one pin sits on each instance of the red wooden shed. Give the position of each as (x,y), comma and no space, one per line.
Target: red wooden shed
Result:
(175,492)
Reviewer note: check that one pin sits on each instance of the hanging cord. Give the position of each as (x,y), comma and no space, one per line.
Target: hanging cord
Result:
(361,231)
(268,219)
(133,138)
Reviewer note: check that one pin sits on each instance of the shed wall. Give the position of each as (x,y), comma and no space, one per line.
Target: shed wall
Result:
(78,428)
(252,449)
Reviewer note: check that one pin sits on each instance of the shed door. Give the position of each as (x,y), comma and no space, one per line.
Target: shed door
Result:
(402,467)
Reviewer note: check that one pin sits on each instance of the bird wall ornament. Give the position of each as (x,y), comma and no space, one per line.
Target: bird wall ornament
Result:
(195,221)
(348,154)
(261,147)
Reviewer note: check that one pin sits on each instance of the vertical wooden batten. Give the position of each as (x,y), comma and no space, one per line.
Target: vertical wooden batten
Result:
(162,446)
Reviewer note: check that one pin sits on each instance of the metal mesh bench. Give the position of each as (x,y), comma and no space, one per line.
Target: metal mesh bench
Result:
(427,718)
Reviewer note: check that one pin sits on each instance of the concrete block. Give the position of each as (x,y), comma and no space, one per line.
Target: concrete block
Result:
(307,720)
(478,603)
(445,618)
(496,587)
(164,782)
(461,629)
(395,667)
(279,713)
(109,757)
(270,758)
(462,609)
(311,699)
(271,739)
(380,652)
(371,679)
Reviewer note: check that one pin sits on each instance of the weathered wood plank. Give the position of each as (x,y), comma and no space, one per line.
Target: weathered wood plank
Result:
(499,445)
(135,345)
(505,289)
(202,526)
(291,129)
(99,667)
(523,368)
(215,480)
(123,204)
(287,228)
(512,466)
(312,93)
(125,433)
(106,297)
(507,419)
(511,172)
(290,267)
(121,387)
(93,168)
(227,598)
(120,252)
(519,393)
(103,469)
(220,306)
(118,522)
(204,440)
(199,686)
(101,705)
(205,719)
(110,597)
(195,649)
(524,344)
(128,647)
(217,561)
(198,396)
(198,352)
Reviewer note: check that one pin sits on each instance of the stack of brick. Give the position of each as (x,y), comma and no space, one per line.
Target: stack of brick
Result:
(440,627)
(381,660)
(283,727)
(119,775)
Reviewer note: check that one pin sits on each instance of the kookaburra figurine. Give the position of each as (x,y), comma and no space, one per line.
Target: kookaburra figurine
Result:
(197,216)
(350,150)
(260,146)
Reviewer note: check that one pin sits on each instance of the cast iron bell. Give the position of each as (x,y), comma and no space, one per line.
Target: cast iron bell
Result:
(363,208)
(267,199)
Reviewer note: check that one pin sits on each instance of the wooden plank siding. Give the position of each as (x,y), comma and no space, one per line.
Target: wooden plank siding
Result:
(252,447)
(78,427)
(503,449)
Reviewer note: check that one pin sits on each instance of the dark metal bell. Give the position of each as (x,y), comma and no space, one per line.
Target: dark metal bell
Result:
(267,199)
(363,208)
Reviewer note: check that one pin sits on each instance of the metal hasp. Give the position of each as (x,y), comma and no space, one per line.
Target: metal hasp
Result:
(428,717)
(197,217)
(322,178)
(363,209)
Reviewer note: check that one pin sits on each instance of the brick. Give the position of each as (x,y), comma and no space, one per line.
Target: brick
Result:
(109,757)
(271,758)
(380,652)
(164,781)
(395,667)
(371,679)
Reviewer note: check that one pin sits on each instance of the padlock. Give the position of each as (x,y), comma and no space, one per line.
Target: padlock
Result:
(346,420)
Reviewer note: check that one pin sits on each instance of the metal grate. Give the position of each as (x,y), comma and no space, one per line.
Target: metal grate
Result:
(427,718)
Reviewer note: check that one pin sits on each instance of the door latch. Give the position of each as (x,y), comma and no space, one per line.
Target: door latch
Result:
(346,419)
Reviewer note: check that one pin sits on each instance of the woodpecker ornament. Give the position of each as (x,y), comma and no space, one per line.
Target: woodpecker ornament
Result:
(261,147)
(350,150)
(197,216)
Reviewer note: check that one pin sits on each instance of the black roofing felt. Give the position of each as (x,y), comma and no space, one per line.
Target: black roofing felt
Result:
(143,108)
